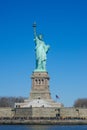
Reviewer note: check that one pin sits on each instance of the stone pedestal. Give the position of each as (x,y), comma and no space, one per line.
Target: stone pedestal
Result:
(40,94)
(40,86)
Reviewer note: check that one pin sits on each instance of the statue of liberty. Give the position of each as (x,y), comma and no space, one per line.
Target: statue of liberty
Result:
(41,50)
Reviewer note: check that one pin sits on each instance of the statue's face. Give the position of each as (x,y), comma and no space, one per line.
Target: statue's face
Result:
(40,37)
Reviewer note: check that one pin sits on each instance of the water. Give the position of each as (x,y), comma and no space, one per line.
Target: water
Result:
(42,127)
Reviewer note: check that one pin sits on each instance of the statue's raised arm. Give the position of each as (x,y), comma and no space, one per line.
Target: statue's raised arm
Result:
(34,27)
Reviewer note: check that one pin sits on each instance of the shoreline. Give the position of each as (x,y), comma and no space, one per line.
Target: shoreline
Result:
(43,122)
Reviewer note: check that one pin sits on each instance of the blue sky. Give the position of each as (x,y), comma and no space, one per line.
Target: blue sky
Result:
(63,24)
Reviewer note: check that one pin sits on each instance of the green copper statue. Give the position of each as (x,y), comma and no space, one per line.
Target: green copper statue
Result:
(41,50)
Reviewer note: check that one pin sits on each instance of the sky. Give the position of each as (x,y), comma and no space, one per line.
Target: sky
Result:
(63,24)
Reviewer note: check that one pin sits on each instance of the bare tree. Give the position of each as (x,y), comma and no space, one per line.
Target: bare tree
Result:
(9,101)
(81,103)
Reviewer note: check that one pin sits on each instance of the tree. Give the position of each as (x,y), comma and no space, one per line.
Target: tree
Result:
(10,101)
(81,103)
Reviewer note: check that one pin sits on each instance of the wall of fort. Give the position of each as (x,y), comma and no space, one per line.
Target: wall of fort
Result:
(41,112)
(73,112)
(6,112)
